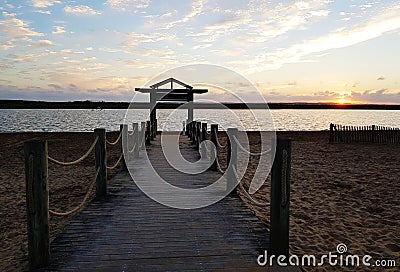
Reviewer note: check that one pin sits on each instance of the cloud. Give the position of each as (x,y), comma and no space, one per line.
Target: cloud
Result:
(377,26)
(58,30)
(128,5)
(81,10)
(13,28)
(44,3)
(40,44)
(380,78)
(196,9)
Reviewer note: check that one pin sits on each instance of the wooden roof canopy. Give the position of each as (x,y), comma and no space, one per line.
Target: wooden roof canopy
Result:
(184,88)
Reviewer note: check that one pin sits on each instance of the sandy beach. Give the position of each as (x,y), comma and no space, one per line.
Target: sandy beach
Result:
(341,193)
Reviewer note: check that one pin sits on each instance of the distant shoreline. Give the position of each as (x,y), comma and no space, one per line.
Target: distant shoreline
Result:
(24,104)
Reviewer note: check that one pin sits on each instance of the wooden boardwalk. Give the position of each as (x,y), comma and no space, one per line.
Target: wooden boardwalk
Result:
(127,231)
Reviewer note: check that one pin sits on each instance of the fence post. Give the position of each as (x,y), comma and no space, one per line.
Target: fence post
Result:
(142,135)
(136,140)
(214,153)
(198,135)
(193,124)
(373,134)
(331,133)
(101,162)
(231,159)
(37,203)
(203,138)
(121,130)
(280,198)
(183,128)
(148,133)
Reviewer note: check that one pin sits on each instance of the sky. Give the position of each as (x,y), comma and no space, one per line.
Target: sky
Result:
(291,51)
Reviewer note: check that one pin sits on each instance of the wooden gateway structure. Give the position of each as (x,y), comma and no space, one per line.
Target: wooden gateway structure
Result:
(177,93)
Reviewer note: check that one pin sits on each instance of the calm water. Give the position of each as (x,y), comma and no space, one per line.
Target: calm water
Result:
(87,120)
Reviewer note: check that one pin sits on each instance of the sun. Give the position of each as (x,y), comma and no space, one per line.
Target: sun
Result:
(341,100)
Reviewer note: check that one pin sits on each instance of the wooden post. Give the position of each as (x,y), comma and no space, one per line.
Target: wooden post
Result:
(373,134)
(203,138)
(198,135)
(231,159)
(143,135)
(194,132)
(136,140)
(214,153)
(188,130)
(331,133)
(101,162)
(183,128)
(155,128)
(37,203)
(148,133)
(280,198)
(121,130)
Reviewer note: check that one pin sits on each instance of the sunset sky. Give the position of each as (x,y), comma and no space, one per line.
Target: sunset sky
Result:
(60,50)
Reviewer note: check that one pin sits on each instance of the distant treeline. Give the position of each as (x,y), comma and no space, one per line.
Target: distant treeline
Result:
(24,104)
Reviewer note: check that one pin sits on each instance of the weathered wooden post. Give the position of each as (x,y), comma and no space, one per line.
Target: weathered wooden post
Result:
(143,135)
(183,128)
(231,159)
(188,129)
(101,162)
(203,138)
(121,130)
(136,140)
(214,153)
(331,133)
(198,135)
(280,198)
(148,133)
(194,132)
(37,203)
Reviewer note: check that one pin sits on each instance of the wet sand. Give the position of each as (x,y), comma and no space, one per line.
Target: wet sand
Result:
(341,193)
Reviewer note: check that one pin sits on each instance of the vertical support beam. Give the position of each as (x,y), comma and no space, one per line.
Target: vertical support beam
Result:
(121,130)
(153,113)
(280,198)
(101,162)
(148,133)
(188,129)
(231,159)
(190,105)
(37,203)
(136,140)
(143,135)
(214,153)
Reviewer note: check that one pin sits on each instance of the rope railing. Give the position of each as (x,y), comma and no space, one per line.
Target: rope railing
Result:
(116,164)
(116,141)
(78,160)
(248,196)
(81,205)
(268,151)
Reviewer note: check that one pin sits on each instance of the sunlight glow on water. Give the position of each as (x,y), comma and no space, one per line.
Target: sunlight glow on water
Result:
(87,120)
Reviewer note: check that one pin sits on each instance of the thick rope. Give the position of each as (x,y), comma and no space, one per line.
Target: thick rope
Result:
(81,205)
(78,160)
(116,141)
(116,164)
(219,167)
(133,148)
(251,153)
(249,197)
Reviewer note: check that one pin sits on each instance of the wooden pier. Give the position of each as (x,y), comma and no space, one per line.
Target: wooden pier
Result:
(128,231)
